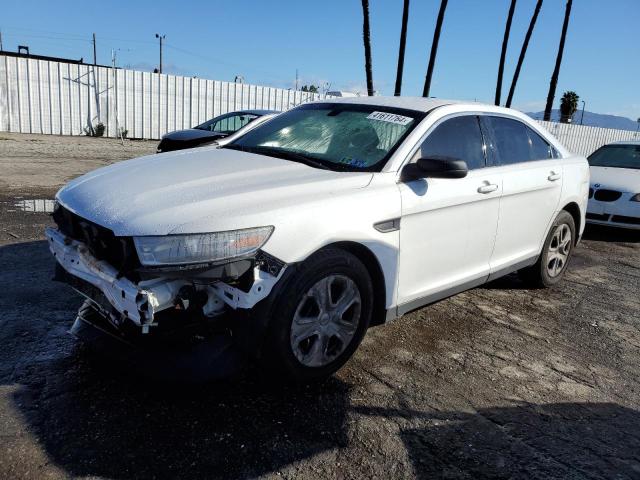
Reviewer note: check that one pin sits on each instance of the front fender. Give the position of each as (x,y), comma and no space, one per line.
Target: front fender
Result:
(339,218)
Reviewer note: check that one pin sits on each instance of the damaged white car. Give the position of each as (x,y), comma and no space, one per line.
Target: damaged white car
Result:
(295,238)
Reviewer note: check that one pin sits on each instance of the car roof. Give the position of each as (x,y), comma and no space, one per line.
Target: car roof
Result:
(625,142)
(257,112)
(420,104)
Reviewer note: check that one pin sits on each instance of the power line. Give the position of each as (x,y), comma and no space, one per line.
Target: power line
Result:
(47,37)
(222,62)
(49,32)
(70,36)
(72,40)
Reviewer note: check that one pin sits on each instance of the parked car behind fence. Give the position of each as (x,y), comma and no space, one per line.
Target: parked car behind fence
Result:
(215,129)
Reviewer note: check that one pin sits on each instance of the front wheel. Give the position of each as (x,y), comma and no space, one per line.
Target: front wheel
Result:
(320,317)
(556,253)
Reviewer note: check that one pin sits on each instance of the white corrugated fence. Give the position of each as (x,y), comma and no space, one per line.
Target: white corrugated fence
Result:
(584,140)
(40,96)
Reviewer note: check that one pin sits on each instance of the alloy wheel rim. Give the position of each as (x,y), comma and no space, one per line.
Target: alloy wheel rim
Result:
(325,321)
(559,250)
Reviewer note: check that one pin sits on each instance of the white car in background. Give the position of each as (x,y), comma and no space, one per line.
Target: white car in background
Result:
(325,220)
(614,195)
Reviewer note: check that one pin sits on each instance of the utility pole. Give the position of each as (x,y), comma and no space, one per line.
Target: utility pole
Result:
(296,79)
(115,79)
(95,57)
(161,37)
(1,41)
(582,116)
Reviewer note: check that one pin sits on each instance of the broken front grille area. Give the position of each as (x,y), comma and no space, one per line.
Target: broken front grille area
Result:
(120,252)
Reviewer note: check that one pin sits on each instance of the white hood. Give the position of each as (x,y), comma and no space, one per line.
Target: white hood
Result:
(200,190)
(621,179)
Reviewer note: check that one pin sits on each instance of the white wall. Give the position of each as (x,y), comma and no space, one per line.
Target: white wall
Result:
(38,96)
(585,140)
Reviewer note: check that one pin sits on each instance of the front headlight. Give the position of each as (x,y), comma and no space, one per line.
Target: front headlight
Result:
(200,247)
(635,198)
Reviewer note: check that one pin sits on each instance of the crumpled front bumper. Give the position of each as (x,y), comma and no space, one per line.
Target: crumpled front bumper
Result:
(136,302)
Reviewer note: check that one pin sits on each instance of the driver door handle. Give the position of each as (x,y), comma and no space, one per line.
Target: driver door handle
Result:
(553,176)
(488,188)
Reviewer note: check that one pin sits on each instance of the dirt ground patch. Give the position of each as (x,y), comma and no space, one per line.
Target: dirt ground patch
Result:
(40,161)
(498,382)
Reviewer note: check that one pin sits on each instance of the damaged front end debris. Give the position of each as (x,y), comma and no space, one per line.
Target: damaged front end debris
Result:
(129,301)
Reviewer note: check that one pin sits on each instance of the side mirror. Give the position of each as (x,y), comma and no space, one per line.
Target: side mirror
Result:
(435,167)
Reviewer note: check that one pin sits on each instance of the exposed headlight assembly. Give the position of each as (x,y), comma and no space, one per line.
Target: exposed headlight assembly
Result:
(635,198)
(200,247)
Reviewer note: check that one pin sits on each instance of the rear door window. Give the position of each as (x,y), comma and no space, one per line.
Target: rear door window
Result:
(510,140)
(458,138)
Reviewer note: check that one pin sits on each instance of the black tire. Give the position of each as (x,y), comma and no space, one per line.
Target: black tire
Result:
(539,275)
(278,352)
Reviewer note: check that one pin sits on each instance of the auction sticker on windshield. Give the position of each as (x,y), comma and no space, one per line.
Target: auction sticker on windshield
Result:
(390,117)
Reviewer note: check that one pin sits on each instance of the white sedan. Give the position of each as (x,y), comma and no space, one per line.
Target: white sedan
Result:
(614,196)
(331,217)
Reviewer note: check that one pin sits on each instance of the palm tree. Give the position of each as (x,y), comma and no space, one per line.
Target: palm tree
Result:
(503,53)
(434,48)
(556,70)
(523,52)
(403,43)
(366,37)
(568,106)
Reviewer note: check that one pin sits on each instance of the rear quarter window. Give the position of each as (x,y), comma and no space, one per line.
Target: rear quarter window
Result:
(512,141)
(540,148)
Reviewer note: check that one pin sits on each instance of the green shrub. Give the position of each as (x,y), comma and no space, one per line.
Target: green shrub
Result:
(99,130)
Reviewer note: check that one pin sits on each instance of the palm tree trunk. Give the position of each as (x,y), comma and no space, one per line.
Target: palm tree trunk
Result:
(366,37)
(403,43)
(434,48)
(523,52)
(503,53)
(556,70)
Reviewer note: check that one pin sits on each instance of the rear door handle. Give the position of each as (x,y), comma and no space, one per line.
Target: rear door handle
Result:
(488,188)
(553,177)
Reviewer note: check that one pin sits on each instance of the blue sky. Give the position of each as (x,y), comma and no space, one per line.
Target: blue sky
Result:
(266,41)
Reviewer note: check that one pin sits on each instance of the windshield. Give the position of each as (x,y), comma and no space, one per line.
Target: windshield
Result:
(227,123)
(619,156)
(335,136)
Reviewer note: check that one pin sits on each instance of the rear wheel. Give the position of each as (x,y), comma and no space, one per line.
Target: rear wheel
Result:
(320,317)
(556,253)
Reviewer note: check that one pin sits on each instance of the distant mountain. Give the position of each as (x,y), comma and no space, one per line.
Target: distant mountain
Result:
(593,120)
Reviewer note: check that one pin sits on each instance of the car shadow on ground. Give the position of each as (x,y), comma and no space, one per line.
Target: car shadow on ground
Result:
(95,423)
(508,282)
(94,419)
(557,440)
